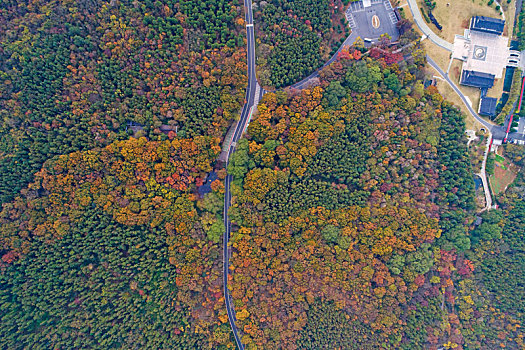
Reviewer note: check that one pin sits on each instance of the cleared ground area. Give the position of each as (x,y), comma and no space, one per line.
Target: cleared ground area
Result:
(504,174)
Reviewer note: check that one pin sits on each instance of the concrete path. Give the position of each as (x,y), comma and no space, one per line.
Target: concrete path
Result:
(483,175)
(422,25)
(502,12)
(491,129)
(498,132)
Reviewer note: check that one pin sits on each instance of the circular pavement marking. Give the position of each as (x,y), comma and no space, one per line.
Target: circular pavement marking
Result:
(479,53)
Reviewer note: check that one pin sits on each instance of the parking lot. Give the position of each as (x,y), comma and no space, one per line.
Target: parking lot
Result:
(372,18)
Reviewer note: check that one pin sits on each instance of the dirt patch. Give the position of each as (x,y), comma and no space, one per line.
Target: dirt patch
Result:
(497,89)
(504,174)
(438,54)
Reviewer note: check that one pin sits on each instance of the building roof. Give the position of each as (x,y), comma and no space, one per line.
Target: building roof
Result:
(483,52)
(487,106)
(477,79)
(487,25)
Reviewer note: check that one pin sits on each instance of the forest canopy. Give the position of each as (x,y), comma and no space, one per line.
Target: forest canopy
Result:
(357,195)
(297,37)
(113,113)
(353,221)
(79,76)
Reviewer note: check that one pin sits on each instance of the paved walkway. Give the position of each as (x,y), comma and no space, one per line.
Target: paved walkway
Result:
(483,175)
(502,12)
(422,25)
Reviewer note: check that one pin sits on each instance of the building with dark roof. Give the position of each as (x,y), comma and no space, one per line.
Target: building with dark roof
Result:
(487,106)
(485,53)
(487,25)
(477,79)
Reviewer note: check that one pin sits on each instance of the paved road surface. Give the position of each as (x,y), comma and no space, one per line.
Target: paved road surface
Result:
(304,83)
(497,131)
(422,25)
(253,94)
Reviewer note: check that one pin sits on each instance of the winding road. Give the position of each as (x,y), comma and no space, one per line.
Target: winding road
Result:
(422,25)
(253,94)
(498,132)
(349,41)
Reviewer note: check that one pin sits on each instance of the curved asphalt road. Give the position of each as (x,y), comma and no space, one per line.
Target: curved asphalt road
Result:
(422,25)
(349,41)
(250,102)
(497,131)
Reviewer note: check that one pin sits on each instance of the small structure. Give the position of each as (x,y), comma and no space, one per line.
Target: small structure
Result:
(206,186)
(487,106)
(487,25)
(477,79)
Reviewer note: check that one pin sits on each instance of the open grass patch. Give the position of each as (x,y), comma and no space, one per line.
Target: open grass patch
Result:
(455,15)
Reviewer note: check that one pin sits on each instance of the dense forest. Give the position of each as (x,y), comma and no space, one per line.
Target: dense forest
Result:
(353,208)
(502,252)
(105,241)
(353,217)
(110,248)
(79,75)
(297,37)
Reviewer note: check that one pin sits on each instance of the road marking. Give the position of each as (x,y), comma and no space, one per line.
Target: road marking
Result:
(249,25)
(249,117)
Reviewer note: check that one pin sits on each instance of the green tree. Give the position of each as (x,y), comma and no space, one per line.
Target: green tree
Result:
(333,94)
(331,233)
(215,231)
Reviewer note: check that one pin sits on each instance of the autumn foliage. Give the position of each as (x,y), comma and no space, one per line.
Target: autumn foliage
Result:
(348,195)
